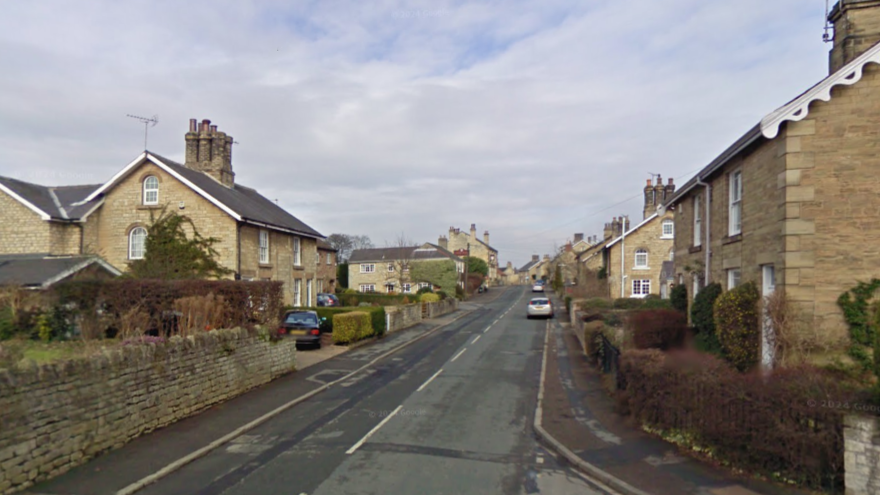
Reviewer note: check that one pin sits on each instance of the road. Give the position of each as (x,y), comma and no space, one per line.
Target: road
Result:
(449,414)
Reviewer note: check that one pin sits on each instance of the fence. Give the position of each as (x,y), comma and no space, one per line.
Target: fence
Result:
(609,360)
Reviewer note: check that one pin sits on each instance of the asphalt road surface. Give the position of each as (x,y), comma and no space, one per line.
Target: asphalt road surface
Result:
(450,414)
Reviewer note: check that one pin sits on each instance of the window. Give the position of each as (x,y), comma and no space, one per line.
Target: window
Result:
(151,191)
(641,259)
(733,278)
(368,268)
(736,192)
(329,261)
(297,292)
(297,252)
(698,284)
(390,267)
(264,246)
(422,285)
(309,284)
(137,243)
(641,288)
(320,286)
(318,259)
(668,229)
(389,287)
(368,288)
(406,288)
(698,221)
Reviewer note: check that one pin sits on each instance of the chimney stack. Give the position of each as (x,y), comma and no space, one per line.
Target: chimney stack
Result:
(578,238)
(486,237)
(535,257)
(209,151)
(650,200)
(443,242)
(856,28)
(670,190)
(474,231)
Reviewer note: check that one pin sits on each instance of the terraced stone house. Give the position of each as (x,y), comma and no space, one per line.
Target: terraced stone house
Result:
(388,269)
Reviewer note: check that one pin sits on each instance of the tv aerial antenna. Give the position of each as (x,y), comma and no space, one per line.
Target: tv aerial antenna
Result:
(147,124)
(828,36)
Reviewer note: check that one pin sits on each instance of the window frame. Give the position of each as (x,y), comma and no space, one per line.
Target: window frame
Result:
(734,278)
(297,251)
(146,192)
(406,288)
(644,288)
(371,288)
(698,220)
(391,268)
(143,246)
(368,268)
(671,224)
(734,203)
(310,290)
(636,265)
(389,287)
(329,261)
(297,292)
(264,247)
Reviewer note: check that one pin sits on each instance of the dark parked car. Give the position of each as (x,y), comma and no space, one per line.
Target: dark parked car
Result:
(328,300)
(304,325)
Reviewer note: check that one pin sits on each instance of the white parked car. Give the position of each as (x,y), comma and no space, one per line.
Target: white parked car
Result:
(538,287)
(539,306)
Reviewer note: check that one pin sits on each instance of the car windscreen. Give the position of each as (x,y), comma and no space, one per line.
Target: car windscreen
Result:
(538,302)
(301,319)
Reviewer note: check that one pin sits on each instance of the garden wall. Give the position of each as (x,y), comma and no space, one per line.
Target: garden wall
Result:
(861,458)
(57,416)
(400,317)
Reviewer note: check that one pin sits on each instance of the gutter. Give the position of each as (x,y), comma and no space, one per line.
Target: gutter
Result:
(707,200)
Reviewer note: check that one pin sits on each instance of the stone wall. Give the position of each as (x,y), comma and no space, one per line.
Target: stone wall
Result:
(440,308)
(861,458)
(55,417)
(400,317)
(22,230)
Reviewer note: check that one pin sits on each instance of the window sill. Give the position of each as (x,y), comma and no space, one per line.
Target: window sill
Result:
(695,249)
(641,268)
(732,239)
(299,268)
(265,265)
(667,237)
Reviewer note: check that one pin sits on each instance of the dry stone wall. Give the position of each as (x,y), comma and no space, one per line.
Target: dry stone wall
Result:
(57,416)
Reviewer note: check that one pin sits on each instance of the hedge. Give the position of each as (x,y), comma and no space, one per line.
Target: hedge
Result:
(738,325)
(356,298)
(377,316)
(351,327)
(772,425)
(662,329)
(703,318)
(429,298)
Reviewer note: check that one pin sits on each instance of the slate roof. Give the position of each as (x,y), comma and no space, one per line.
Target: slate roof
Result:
(325,246)
(56,202)
(41,270)
(425,251)
(528,265)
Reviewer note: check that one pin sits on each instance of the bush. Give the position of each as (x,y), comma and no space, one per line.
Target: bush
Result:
(377,317)
(768,425)
(654,301)
(424,290)
(351,327)
(662,329)
(568,304)
(627,303)
(429,298)
(703,318)
(738,325)
(678,298)
(459,292)
(443,295)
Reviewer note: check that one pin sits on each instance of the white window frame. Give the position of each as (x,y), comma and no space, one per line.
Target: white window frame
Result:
(329,261)
(406,288)
(636,264)
(698,220)
(734,209)
(149,191)
(297,292)
(641,288)
(320,286)
(390,267)
(132,253)
(667,223)
(297,251)
(389,287)
(264,247)
(368,288)
(309,291)
(734,276)
(368,267)
(422,285)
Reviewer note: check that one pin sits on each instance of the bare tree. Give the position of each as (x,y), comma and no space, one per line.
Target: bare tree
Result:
(344,244)
(399,268)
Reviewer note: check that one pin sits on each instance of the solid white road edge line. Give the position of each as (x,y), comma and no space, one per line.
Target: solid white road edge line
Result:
(429,380)
(374,430)
(183,461)
(456,356)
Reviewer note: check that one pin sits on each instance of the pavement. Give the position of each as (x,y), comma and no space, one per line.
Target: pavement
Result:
(579,413)
(450,413)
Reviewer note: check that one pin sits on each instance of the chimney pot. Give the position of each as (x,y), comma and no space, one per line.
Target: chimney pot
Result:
(649,183)
(670,181)
(213,128)
(193,125)
(659,180)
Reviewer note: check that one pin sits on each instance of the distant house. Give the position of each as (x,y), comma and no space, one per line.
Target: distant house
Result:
(463,244)
(41,271)
(258,240)
(388,269)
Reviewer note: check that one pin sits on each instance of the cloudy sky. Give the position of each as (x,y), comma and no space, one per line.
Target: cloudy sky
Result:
(532,119)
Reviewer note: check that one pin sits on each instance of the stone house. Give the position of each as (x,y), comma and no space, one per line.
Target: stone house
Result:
(633,260)
(327,263)
(463,244)
(793,204)
(257,239)
(388,269)
(526,271)
(509,275)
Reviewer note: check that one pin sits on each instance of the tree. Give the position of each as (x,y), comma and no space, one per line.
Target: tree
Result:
(401,263)
(476,265)
(170,254)
(443,274)
(345,244)
(342,275)
(557,284)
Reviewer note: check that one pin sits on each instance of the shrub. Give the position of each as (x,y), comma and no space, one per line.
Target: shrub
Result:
(627,303)
(459,292)
(424,290)
(429,298)
(662,329)
(442,293)
(769,425)
(737,324)
(377,317)
(351,327)
(703,318)
(654,301)
(595,303)
(678,298)
(568,304)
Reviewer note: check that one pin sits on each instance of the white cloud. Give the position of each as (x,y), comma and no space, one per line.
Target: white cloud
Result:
(377,118)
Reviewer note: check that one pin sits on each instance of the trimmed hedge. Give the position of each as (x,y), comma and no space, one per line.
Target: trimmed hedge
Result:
(429,298)
(738,325)
(678,298)
(769,425)
(662,329)
(351,327)
(703,318)
(377,316)
(354,299)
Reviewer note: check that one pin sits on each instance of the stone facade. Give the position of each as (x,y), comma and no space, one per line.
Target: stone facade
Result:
(327,260)
(861,439)
(299,279)
(644,249)
(58,416)
(22,230)
(464,244)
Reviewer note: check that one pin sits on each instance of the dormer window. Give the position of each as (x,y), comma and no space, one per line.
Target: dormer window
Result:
(151,191)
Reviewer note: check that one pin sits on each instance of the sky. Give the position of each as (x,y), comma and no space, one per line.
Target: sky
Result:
(533,120)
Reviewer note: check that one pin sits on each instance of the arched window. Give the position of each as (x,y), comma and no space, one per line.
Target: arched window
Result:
(137,243)
(641,258)
(668,229)
(151,191)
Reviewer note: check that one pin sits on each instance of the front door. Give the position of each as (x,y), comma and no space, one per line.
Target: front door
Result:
(768,337)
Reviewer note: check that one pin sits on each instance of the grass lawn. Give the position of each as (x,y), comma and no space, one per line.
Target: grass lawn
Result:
(13,352)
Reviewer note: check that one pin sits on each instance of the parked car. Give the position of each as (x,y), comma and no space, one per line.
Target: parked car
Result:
(538,287)
(328,300)
(303,325)
(539,306)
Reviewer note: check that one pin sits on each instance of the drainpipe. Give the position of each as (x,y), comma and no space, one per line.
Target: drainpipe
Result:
(708,249)
(622,258)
